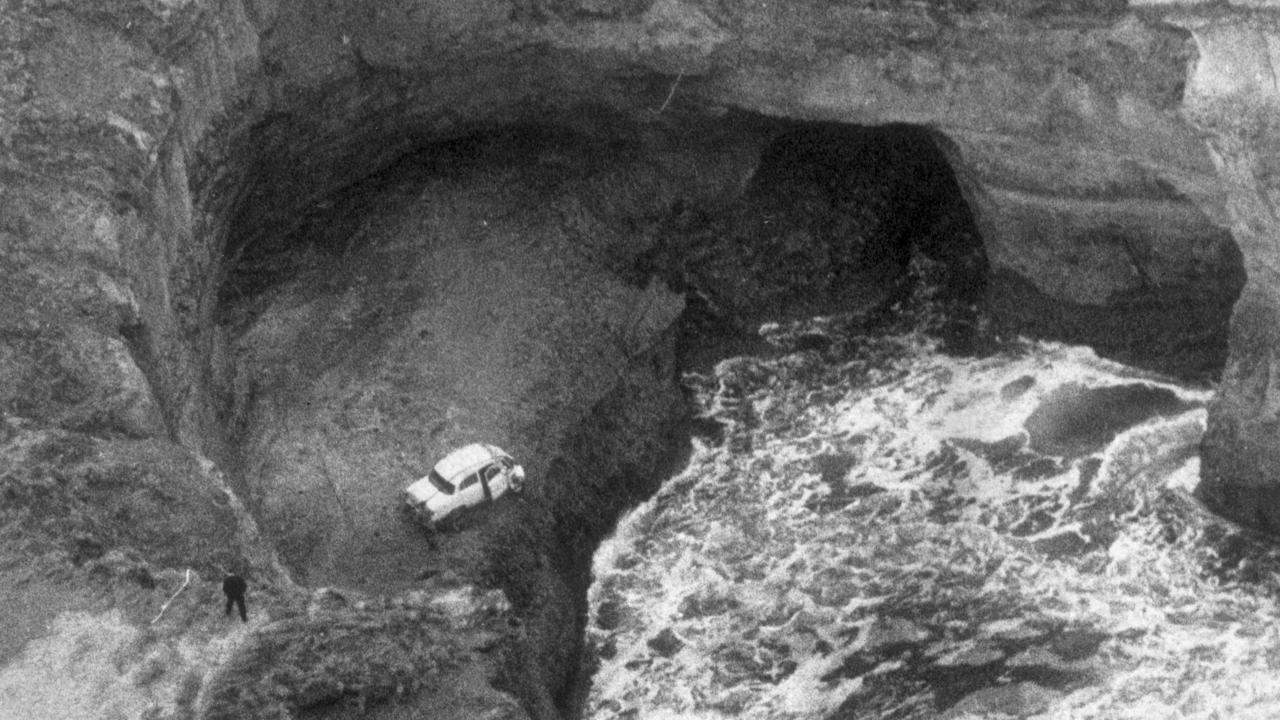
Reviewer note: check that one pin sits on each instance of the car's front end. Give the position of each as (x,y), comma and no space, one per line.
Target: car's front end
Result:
(417,510)
(425,498)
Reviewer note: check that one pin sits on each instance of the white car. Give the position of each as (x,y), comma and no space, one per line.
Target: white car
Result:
(472,475)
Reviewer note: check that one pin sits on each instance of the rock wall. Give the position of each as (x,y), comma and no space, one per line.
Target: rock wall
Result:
(199,129)
(1066,133)
(106,259)
(1232,97)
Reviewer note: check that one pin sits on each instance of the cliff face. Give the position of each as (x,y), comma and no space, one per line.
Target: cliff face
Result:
(258,270)
(1230,96)
(150,145)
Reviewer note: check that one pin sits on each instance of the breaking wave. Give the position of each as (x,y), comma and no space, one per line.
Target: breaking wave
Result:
(896,533)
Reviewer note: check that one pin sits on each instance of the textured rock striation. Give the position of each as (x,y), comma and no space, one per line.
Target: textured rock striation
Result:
(1231,96)
(195,298)
(214,128)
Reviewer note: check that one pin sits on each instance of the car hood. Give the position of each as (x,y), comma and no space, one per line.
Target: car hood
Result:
(423,492)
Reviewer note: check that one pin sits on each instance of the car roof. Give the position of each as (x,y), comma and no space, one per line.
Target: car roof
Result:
(466,459)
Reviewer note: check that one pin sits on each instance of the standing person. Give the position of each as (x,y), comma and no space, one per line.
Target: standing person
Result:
(234,586)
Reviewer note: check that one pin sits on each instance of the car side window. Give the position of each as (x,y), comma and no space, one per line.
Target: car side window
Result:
(491,472)
(471,479)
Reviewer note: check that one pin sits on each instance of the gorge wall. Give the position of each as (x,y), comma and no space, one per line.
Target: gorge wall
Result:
(160,160)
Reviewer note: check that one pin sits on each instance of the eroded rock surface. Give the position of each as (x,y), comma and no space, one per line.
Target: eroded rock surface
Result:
(1229,96)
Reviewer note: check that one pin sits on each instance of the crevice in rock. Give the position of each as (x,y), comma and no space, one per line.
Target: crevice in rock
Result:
(137,338)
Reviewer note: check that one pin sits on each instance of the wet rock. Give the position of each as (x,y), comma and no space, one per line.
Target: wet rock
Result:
(970,655)
(1088,472)
(1000,453)
(1074,420)
(1016,388)
(701,604)
(1241,449)
(1040,468)
(1069,543)
(732,701)
(842,496)
(609,614)
(1014,631)
(889,633)
(607,649)
(1077,643)
(833,468)
(665,643)
(1042,665)
(1035,521)
(765,662)
(1019,700)
(946,463)
(838,493)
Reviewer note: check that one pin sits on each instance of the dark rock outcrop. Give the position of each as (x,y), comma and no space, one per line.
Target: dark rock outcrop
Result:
(1230,97)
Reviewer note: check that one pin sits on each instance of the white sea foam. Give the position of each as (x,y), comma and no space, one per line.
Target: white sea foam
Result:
(932,536)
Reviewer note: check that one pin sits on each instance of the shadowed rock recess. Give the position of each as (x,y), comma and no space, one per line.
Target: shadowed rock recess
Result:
(262,263)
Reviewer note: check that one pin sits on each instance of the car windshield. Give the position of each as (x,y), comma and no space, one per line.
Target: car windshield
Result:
(440,483)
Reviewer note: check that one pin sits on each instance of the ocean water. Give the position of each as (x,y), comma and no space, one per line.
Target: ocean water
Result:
(892,532)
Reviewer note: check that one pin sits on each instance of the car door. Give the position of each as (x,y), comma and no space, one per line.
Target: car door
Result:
(470,491)
(494,480)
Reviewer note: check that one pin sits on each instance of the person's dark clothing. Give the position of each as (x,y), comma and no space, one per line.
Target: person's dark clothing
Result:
(234,586)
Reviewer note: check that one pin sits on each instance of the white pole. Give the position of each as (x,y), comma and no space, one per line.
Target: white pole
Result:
(164,607)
